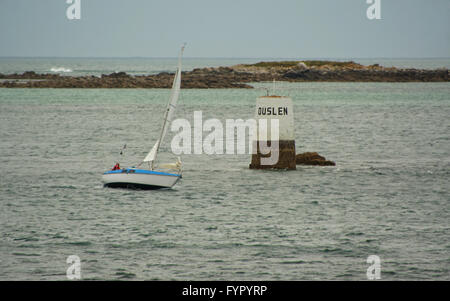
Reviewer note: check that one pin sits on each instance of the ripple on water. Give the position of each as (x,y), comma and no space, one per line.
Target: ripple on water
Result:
(78,243)
(123,274)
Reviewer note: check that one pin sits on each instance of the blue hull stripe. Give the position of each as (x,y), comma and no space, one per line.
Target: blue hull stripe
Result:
(133,186)
(140,171)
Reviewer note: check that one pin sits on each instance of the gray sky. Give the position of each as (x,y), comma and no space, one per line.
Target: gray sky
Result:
(226,28)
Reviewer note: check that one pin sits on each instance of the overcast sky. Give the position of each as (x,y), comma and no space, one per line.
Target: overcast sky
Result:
(226,28)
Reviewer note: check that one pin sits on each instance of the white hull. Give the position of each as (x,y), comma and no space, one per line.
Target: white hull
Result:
(139,180)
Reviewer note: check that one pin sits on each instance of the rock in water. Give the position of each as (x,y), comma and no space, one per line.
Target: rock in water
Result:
(312,158)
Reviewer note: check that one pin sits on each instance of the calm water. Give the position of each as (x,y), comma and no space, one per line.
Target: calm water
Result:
(388,195)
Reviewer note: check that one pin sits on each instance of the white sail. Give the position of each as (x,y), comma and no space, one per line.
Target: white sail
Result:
(151,156)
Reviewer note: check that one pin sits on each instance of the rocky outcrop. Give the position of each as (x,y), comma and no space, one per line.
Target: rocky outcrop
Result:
(367,75)
(312,158)
(116,75)
(198,78)
(238,76)
(286,156)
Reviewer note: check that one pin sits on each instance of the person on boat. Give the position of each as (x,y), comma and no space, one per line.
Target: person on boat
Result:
(116,167)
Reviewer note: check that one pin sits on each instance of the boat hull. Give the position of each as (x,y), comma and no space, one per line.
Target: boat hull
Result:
(139,179)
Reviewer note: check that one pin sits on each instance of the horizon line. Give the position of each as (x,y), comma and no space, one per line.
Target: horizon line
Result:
(200,57)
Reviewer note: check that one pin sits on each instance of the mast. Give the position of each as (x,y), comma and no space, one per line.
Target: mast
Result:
(169,111)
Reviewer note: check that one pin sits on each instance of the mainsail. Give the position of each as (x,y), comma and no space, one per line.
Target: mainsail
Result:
(151,156)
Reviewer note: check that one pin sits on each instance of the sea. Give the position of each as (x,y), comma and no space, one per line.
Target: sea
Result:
(388,195)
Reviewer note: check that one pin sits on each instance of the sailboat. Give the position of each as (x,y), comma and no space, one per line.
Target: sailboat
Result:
(166,175)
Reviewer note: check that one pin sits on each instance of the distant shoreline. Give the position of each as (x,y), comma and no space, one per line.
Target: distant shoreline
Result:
(237,76)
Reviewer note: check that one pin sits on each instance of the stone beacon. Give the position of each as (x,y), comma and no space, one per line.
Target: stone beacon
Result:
(265,144)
